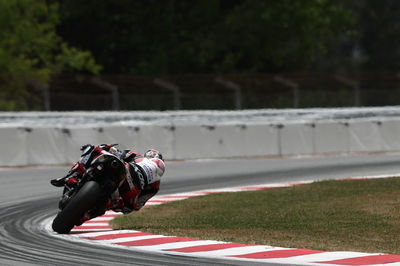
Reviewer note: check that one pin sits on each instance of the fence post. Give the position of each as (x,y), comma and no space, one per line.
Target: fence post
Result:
(111,87)
(45,91)
(236,89)
(354,84)
(294,86)
(173,88)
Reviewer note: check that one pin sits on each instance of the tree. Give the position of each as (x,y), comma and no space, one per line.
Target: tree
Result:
(379,27)
(203,36)
(31,51)
(281,35)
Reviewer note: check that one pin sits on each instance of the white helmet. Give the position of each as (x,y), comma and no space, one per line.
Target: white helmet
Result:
(153,154)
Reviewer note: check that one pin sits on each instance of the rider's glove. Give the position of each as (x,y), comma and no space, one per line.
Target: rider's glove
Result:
(86,149)
(72,181)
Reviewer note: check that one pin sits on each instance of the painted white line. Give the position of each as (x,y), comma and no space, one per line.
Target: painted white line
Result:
(76,230)
(128,239)
(95,224)
(166,247)
(112,213)
(237,251)
(149,203)
(319,257)
(110,232)
(103,218)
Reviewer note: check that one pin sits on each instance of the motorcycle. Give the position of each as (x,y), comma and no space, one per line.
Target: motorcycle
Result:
(89,196)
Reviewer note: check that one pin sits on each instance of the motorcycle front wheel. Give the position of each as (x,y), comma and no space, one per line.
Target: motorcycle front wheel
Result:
(84,200)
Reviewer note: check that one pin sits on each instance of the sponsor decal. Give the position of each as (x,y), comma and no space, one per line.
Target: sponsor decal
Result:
(85,158)
(149,173)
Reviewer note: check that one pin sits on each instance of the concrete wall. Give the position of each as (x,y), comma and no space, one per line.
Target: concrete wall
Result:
(51,145)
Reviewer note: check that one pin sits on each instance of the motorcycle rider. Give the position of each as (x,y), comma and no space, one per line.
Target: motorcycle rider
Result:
(142,182)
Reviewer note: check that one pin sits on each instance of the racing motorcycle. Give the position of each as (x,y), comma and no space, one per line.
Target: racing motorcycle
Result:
(88,198)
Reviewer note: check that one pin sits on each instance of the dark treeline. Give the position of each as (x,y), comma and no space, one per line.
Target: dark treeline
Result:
(205,36)
(208,36)
(41,39)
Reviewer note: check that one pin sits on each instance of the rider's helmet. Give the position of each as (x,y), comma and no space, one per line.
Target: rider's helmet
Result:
(153,154)
(114,151)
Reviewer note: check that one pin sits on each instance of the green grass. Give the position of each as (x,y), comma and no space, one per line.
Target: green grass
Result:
(360,215)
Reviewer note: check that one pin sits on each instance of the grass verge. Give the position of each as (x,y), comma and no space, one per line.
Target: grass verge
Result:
(360,215)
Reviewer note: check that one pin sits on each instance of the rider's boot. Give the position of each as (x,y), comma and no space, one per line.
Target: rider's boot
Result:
(59,182)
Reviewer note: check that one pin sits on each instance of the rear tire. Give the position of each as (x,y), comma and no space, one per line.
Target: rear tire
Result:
(84,200)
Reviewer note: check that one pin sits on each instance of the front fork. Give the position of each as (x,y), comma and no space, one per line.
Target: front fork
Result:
(67,195)
(108,187)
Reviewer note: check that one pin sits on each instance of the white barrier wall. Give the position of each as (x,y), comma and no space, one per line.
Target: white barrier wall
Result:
(200,141)
(365,137)
(390,133)
(297,139)
(260,140)
(53,145)
(14,146)
(331,137)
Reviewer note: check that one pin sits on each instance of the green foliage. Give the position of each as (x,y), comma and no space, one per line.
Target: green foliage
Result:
(30,50)
(379,36)
(280,35)
(204,36)
(73,59)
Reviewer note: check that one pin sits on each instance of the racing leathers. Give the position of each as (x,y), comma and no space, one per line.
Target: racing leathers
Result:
(143,175)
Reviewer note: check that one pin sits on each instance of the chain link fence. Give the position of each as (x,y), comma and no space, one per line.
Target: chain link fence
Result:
(190,92)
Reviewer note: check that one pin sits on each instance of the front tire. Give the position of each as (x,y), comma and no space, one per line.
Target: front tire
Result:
(84,200)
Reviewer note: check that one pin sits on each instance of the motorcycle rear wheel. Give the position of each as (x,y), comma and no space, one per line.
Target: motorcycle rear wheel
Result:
(84,200)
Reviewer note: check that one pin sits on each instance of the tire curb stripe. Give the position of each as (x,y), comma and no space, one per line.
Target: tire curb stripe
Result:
(99,232)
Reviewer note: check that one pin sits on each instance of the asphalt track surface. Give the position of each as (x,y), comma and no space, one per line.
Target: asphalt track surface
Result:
(27,198)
